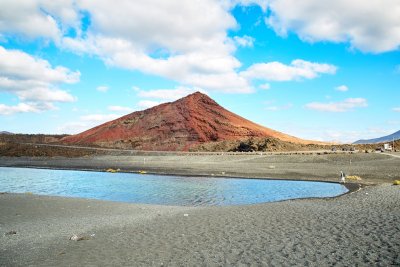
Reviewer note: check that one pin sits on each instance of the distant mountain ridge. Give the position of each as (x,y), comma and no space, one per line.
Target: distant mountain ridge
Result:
(178,126)
(387,138)
(5,132)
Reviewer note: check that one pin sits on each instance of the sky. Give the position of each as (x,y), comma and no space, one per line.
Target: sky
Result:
(327,72)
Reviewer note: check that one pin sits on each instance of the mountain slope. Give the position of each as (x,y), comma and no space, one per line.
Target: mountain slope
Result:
(387,138)
(189,121)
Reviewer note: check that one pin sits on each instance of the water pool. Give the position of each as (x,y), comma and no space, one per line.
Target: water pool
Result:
(160,189)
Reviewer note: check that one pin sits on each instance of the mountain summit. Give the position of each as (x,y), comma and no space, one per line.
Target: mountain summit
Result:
(176,126)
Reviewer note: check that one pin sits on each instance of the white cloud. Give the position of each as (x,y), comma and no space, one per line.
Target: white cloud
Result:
(171,39)
(46,95)
(245,3)
(265,86)
(120,109)
(36,19)
(158,29)
(18,65)
(372,27)
(20,108)
(396,109)
(197,52)
(342,88)
(33,80)
(147,104)
(343,106)
(157,42)
(102,88)
(169,94)
(244,41)
(298,69)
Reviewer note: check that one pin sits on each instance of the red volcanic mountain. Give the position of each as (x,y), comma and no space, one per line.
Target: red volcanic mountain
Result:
(187,122)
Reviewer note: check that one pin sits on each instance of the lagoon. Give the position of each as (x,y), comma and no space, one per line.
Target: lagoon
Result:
(160,189)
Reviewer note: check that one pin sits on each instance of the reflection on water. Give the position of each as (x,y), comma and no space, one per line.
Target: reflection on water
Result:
(155,189)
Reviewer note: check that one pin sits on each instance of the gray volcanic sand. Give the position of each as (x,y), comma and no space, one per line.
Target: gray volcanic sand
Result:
(372,167)
(361,228)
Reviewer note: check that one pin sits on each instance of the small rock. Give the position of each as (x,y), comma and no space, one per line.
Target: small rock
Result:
(186,215)
(79,237)
(74,238)
(11,233)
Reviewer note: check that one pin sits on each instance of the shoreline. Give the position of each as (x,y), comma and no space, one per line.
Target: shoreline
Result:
(358,228)
(373,169)
(350,186)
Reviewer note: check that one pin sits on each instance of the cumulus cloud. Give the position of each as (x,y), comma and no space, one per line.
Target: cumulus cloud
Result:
(157,42)
(263,4)
(102,88)
(397,109)
(20,108)
(342,106)
(33,19)
(18,65)
(298,69)
(171,39)
(342,88)
(372,27)
(265,86)
(244,41)
(33,81)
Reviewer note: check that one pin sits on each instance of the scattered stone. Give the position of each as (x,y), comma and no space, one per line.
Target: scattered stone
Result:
(11,233)
(79,237)
(186,215)
(271,167)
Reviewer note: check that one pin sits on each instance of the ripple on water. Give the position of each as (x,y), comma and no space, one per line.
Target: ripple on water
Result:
(156,189)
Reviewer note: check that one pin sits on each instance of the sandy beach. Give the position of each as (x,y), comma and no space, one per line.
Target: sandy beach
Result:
(361,228)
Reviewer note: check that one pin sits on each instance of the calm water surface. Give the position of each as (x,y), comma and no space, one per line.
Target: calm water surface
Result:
(155,189)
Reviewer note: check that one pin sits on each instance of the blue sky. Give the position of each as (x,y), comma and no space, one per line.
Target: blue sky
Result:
(314,71)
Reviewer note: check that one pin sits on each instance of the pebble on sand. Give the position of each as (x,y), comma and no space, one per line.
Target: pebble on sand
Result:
(79,237)
(11,233)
